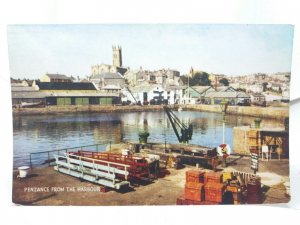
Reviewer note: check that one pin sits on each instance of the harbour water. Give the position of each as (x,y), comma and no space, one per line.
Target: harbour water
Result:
(48,132)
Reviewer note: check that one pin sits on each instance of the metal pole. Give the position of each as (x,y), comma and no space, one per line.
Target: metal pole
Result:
(48,158)
(223,132)
(30,161)
(110,146)
(188,89)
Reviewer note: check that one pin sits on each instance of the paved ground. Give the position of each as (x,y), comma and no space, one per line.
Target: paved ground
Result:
(45,186)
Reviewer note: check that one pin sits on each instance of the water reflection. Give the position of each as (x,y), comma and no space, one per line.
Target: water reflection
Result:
(40,133)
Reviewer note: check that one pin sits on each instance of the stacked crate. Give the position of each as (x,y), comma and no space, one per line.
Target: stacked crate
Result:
(212,177)
(214,187)
(194,185)
(203,188)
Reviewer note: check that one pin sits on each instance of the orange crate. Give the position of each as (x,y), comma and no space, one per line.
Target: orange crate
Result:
(214,192)
(194,191)
(212,177)
(196,176)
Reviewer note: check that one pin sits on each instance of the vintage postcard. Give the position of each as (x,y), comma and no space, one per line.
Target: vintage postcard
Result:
(155,114)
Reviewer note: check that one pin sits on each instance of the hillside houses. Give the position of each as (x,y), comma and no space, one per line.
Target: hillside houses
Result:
(165,77)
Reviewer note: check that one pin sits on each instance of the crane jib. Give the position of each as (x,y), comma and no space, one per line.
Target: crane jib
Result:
(186,131)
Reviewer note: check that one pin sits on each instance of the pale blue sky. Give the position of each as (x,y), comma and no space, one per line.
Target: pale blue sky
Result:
(227,49)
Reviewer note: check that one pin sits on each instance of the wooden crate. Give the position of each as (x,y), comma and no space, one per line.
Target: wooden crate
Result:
(194,191)
(212,177)
(196,176)
(214,192)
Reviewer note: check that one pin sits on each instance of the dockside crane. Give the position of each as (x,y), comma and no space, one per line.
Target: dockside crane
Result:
(186,131)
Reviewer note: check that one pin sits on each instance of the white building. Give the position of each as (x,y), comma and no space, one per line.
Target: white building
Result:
(174,94)
(155,93)
(143,94)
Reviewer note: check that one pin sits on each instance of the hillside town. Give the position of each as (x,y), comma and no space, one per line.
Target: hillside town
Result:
(119,85)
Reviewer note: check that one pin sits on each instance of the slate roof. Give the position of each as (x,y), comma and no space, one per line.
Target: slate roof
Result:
(18,95)
(107,76)
(65,86)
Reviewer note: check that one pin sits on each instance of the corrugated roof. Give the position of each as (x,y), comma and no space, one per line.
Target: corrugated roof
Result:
(201,89)
(225,94)
(225,88)
(29,94)
(65,86)
(23,88)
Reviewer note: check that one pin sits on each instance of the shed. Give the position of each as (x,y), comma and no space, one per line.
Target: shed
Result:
(232,97)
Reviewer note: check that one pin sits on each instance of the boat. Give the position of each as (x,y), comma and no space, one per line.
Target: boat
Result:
(31,104)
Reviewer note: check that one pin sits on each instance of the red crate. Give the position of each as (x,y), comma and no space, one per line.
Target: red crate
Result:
(212,177)
(196,176)
(194,191)
(214,192)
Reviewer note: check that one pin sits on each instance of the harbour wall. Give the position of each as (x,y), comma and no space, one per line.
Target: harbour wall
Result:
(262,112)
(255,111)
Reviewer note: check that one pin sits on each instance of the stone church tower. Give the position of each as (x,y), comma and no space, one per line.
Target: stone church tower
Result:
(117,56)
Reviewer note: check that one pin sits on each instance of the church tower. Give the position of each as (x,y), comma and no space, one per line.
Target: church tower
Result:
(117,56)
